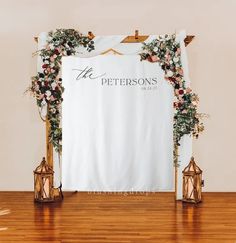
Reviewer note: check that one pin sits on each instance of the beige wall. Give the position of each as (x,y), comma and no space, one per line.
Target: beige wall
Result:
(212,69)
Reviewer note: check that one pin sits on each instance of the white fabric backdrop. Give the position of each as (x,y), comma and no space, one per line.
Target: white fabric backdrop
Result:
(103,43)
(118,127)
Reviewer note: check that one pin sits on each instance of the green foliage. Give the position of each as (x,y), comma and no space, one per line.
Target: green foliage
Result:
(46,86)
(166,50)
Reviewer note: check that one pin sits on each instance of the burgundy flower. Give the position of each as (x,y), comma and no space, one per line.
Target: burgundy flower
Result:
(171,79)
(181,91)
(56,52)
(44,66)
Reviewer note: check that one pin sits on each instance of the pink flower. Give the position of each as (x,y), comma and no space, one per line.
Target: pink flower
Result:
(168,57)
(180,71)
(52,58)
(194,103)
(178,79)
(41,97)
(52,98)
(36,88)
(155,58)
(188,90)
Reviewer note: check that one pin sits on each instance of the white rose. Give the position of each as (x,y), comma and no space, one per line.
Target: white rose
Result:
(175,59)
(48,93)
(53,110)
(169,73)
(51,46)
(54,85)
(43,102)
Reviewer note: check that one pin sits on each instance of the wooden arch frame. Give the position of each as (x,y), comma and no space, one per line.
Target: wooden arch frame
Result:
(136,38)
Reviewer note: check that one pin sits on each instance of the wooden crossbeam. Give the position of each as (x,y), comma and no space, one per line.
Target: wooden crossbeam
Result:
(136,38)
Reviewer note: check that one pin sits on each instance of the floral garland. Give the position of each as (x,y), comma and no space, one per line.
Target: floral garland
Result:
(46,86)
(166,50)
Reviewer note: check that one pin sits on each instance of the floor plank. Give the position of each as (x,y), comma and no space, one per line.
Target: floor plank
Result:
(121,218)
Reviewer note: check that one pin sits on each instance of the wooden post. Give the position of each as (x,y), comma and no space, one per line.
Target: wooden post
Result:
(176,154)
(49,147)
(176,181)
(57,192)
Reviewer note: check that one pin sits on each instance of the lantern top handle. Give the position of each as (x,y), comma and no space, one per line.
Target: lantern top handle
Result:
(44,167)
(192,167)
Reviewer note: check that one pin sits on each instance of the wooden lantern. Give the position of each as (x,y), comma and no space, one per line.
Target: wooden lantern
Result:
(43,183)
(192,183)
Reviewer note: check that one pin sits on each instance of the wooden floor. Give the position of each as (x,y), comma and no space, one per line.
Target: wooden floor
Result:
(83,217)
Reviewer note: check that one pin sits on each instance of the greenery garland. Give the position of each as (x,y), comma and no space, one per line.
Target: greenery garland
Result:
(46,86)
(166,50)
